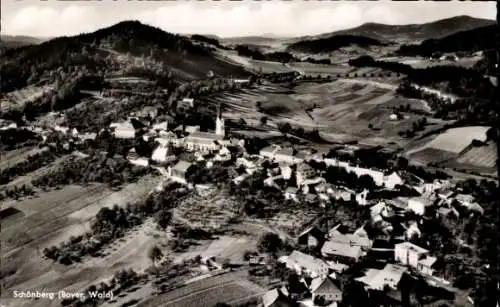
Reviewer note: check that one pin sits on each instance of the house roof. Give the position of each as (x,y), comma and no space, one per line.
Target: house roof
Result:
(337,267)
(205,135)
(285,151)
(341,249)
(307,261)
(464,198)
(291,190)
(411,246)
(310,197)
(314,231)
(391,273)
(302,167)
(324,286)
(182,166)
(350,239)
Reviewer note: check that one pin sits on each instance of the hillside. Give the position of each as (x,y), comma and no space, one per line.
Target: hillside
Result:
(112,50)
(478,39)
(408,33)
(325,45)
(15,41)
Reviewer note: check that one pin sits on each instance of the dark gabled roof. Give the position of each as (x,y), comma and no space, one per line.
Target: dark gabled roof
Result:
(325,286)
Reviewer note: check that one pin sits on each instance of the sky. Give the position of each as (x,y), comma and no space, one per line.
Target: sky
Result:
(224,18)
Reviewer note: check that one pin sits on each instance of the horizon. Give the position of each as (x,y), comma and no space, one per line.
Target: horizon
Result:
(261,19)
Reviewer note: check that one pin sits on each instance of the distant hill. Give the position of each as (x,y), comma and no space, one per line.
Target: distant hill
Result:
(329,44)
(15,41)
(252,40)
(112,50)
(409,33)
(478,39)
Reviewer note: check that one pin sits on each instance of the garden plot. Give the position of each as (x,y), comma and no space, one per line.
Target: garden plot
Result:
(483,156)
(212,211)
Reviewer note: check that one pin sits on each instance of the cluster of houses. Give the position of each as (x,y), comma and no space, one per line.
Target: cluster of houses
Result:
(325,256)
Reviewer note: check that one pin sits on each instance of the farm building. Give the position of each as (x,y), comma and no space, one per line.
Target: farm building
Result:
(180,171)
(415,256)
(341,252)
(389,276)
(305,264)
(325,290)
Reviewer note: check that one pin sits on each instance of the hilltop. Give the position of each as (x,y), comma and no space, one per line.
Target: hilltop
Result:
(15,41)
(478,39)
(410,32)
(112,50)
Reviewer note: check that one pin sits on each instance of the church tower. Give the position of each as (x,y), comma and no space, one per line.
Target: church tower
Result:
(219,123)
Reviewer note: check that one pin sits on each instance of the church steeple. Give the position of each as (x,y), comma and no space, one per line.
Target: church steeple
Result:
(219,123)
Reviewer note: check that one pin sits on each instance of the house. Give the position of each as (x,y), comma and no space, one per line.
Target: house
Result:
(291,193)
(286,171)
(446,212)
(238,180)
(223,155)
(247,163)
(392,180)
(412,231)
(312,237)
(268,152)
(180,171)
(361,232)
(123,130)
(187,102)
(308,185)
(390,276)
(343,195)
(276,298)
(415,256)
(426,265)
(361,198)
(342,252)
(161,155)
(304,171)
(352,240)
(324,188)
(287,155)
(304,264)
(418,205)
(393,117)
(160,126)
(325,291)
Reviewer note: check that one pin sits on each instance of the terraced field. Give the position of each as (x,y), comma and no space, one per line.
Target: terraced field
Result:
(484,156)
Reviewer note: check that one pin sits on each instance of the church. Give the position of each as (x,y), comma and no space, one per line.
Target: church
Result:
(206,142)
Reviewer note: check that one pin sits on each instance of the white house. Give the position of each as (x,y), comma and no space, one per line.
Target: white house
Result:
(303,172)
(408,253)
(325,288)
(392,180)
(305,264)
(417,205)
(123,130)
(361,198)
(286,171)
(202,141)
(291,193)
(161,155)
(390,276)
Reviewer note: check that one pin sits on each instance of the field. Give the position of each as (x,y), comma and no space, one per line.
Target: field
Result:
(456,140)
(51,219)
(481,159)
(228,288)
(419,62)
(340,110)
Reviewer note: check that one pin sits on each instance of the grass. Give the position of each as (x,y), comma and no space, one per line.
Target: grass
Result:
(457,139)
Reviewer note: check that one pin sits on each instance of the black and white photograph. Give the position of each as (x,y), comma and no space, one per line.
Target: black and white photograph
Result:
(249,153)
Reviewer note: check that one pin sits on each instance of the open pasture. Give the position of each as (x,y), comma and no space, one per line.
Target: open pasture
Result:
(343,107)
(456,140)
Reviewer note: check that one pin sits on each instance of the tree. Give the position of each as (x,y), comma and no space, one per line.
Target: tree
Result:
(164,218)
(155,254)
(402,163)
(263,120)
(270,242)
